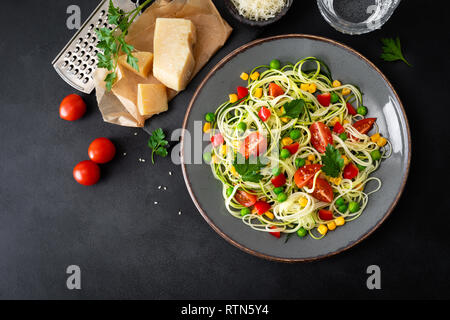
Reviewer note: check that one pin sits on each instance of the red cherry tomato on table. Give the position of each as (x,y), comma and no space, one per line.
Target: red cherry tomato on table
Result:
(364,125)
(264,114)
(72,108)
(275,90)
(242,92)
(325,215)
(276,234)
(101,150)
(322,191)
(244,198)
(324,99)
(86,173)
(262,207)
(217,140)
(338,128)
(292,148)
(305,174)
(320,136)
(351,110)
(350,171)
(254,145)
(279,181)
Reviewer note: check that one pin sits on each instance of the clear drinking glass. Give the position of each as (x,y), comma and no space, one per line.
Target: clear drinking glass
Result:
(357,16)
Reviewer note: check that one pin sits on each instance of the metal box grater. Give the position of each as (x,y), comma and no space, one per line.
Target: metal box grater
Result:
(77,61)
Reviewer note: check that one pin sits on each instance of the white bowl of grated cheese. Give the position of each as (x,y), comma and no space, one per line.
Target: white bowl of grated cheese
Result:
(258,13)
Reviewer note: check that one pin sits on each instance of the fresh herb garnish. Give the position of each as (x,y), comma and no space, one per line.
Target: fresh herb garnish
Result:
(112,42)
(332,162)
(158,144)
(392,50)
(248,169)
(294,108)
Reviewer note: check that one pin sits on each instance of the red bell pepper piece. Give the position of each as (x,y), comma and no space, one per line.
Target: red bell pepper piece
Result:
(279,180)
(324,99)
(325,215)
(276,234)
(351,110)
(338,128)
(292,148)
(275,90)
(350,171)
(264,114)
(217,140)
(262,207)
(242,92)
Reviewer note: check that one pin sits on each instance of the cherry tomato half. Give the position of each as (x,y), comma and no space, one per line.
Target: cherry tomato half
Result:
(254,145)
(324,99)
(279,181)
(101,150)
(276,234)
(264,114)
(244,198)
(275,90)
(338,128)
(322,191)
(72,108)
(364,125)
(305,174)
(320,136)
(292,148)
(350,171)
(86,173)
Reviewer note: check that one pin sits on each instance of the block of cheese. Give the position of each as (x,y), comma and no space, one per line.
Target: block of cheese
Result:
(145,63)
(174,60)
(152,99)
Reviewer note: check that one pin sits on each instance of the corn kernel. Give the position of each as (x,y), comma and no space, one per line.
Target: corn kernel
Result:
(311,157)
(359,187)
(339,221)
(336,83)
(234,172)
(215,159)
(304,86)
(322,229)
(286,141)
(346,160)
(233,97)
(307,162)
(382,142)
(236,144)
(254,76)
(312,88)
(337,181)
(331,225)
(223,150)
(346,122)
(282,110)
(303,201)
(269,215)
(375,137)
(258,93)
(285,119)
(244,76)
(207,127)
(345,91)
(334,121)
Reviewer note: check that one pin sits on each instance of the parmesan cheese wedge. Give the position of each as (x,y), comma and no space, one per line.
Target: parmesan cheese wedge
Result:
(173,44)
(145,63)
(152,99)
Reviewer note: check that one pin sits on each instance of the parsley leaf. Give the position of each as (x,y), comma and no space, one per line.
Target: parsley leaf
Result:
(332,162)
(294,108)
(158,144)
(392,50)
(248,169)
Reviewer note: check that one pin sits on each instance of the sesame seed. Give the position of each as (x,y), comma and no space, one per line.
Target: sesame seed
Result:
(159,187)
(156,202)
(124,153)
(170,173)
(165,188)
(179,213)
(135,133)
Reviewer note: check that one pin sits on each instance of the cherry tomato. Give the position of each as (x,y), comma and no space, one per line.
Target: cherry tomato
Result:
(322,191)
(325,214)
(324,99)
(87,173)
(254,145)
(244,198)
(279,181)
(364,125)
(217,140)
(292,148)
(305,174)
(276,234)
(275,90)
(242,92)
(102,150)
(351,110)
(350,171)
(320,136)
(72,108)
(262,207)
(264,114)
(338,128)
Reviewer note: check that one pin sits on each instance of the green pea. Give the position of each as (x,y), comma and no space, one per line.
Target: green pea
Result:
(334,97)
(340,202)
(276,171)
(230,191)
(353,207)
(278,190)
(242,126)
(295,134)
(282,197)
(360,167)
(245,211)
(284,154)
(362,110)
(376,155)
(275,64)
(300,162)
(302,232)
(210,117)
(343,208)
(343,136)
(207,157)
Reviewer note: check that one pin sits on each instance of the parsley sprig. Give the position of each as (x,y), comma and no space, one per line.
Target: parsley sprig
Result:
(112,42)
(392,50)
(294,108)
(248,169)
(332,162)
(158,144)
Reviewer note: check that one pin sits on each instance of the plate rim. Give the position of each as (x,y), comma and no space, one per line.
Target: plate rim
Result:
(205,216)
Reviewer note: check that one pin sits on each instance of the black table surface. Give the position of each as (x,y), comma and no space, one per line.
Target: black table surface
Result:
(128,247)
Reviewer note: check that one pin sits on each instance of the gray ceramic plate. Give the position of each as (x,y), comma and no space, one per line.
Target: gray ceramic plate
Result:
(383,103)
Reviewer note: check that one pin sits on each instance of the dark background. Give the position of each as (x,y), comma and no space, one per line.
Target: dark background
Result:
(129,248)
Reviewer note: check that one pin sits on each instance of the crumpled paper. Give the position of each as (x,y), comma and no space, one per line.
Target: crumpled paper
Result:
(120,105)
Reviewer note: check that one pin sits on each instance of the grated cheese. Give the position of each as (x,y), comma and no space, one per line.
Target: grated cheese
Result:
(259,9)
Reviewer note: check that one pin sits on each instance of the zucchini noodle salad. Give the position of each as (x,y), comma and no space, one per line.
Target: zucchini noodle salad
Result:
(294,150)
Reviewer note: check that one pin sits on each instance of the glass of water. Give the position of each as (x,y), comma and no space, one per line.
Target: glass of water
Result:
(357,16)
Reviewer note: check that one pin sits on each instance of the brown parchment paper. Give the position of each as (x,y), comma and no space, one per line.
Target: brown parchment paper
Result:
(120,105)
